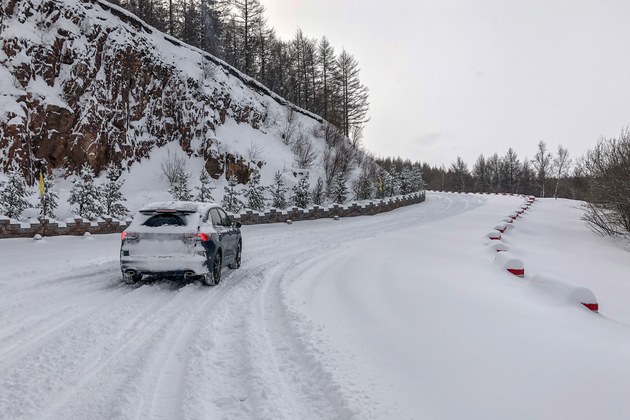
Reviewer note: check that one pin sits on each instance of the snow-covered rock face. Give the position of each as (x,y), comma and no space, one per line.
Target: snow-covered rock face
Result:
(87,82)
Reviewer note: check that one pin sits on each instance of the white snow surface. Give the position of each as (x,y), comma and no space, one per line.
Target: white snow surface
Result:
(395,316)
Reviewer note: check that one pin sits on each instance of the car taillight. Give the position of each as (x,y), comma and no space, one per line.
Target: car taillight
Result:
(203,236)
(128,235)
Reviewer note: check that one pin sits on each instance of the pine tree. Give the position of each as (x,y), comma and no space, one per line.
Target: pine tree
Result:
(301,193)
(417,182)
(391,184)
(480,174)
(254,193)
(318,192)
(493,164)
(406,181)
(278,192)
(111,195)
(363,187)
(231,201)
(13,194)
(459,172)
(179,188)
(339,191)
(86,195)
(48,200)
(205,188)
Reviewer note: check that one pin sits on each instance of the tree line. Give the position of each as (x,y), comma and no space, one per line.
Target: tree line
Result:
(305,71)
(600,178)
(546,173)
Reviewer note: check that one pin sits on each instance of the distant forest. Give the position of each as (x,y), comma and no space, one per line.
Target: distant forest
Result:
(304,71)
(601,178)
(547,174)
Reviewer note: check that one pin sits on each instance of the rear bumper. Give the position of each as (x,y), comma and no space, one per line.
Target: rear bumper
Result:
(161,265)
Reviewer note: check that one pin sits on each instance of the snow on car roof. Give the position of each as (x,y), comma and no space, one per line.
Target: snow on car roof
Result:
(185,206)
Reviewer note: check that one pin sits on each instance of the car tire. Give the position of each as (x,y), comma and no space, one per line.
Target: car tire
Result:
(131,280)
(237,259)
(213,277)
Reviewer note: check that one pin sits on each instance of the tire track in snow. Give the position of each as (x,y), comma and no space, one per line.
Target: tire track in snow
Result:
(173,363)
(157,357)
(18,343)
(233,351)
(298,369)
(88,339)
(259,395)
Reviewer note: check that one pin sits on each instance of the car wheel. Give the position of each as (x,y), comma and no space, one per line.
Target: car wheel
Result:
(214,276)
(237,259)
(131,279)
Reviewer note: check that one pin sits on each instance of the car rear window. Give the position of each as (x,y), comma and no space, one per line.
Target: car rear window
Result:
(165,220)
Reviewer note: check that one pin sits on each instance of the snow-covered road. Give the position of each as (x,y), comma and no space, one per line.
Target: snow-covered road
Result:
(399,315)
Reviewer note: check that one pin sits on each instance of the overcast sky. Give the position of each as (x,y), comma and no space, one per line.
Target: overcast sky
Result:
(451,78)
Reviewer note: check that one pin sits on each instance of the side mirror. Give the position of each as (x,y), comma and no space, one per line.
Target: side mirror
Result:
(237,225)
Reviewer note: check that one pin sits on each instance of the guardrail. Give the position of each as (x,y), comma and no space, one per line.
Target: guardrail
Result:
(78,226)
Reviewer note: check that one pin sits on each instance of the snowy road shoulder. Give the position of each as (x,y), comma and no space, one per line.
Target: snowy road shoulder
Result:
(422,319)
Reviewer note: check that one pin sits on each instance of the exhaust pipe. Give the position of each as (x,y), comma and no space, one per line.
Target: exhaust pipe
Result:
(188,274)
(131,273)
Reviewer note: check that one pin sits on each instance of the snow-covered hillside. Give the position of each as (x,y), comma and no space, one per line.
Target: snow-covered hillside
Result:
(84,81)
(399,315)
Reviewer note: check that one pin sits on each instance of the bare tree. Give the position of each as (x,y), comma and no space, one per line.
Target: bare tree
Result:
(337,162)
(254,152)
(326,64)
(542,166)
(353,94)
(249,15)
(332,135)
(305,155)
(174,169)
(289,126)
(356,136)
(607,168)
(512,170)
(561,165)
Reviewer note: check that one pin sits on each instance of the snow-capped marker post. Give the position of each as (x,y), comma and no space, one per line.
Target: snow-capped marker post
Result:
(494,235)
(501,227)
(510,263)
(498,246)
(587,298)
(513,216)
(38,237)
(566,292)
(508,220)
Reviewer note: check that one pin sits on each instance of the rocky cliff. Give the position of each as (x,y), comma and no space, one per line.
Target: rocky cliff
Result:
(84,81)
